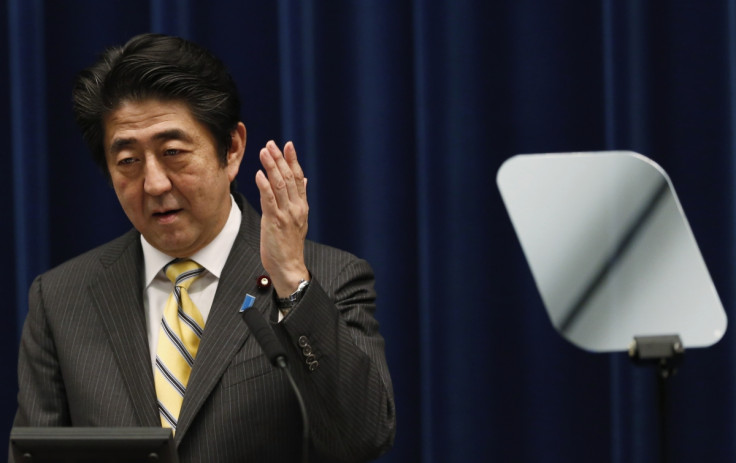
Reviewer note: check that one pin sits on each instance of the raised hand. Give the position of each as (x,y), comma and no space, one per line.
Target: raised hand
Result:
(284,222)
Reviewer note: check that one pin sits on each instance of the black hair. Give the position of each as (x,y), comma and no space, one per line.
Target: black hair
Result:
(161,67)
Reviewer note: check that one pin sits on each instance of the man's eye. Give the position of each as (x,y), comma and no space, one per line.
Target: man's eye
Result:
(171,152)
(126,161)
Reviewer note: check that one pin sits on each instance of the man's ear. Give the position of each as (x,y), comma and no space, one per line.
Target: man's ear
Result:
(236,151)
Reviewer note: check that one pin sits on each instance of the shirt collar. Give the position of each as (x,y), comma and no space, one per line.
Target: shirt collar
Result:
(212,257)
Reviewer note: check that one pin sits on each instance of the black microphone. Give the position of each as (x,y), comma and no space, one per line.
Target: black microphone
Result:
(275,352)
(265,337)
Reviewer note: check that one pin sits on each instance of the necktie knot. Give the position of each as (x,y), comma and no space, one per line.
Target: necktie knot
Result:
(182,272)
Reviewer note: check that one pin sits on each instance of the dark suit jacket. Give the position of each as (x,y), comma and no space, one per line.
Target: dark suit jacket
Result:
(84,358)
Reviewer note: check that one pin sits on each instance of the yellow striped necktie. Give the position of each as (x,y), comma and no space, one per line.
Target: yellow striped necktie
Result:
(178,341)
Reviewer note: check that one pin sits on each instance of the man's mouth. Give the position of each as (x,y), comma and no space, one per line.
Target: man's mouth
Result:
(166,215)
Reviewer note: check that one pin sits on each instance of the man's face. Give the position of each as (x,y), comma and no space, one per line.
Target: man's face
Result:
(166,173)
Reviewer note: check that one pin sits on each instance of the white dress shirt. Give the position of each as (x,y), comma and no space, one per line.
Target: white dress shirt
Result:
(157,285)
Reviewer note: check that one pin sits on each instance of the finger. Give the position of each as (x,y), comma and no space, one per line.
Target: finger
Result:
(268,200)
(275,178)
(291,160)
(287,173)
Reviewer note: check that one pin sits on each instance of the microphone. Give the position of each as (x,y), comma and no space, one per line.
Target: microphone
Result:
(275,352)
(265,337)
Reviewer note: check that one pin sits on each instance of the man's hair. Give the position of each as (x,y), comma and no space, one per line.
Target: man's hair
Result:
(159,67)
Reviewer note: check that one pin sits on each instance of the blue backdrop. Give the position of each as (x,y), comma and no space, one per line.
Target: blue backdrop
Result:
(401,112)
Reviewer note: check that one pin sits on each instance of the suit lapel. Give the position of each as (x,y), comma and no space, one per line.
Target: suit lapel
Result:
(118,296)
(225,331)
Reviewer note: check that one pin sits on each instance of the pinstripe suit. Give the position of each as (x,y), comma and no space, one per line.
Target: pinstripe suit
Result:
(84,358)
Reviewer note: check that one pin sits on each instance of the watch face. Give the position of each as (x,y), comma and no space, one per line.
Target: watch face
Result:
(296,295)
(289,302)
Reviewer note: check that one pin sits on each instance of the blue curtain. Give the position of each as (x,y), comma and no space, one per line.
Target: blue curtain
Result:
(402,112)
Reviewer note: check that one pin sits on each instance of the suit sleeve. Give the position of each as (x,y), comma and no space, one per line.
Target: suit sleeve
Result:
(41,395)
(337,357)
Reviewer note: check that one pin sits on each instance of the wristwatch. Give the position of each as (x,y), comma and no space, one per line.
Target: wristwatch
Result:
(290,302)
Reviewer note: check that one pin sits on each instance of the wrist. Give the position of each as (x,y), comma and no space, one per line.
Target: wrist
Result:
(285,283)
(288,302)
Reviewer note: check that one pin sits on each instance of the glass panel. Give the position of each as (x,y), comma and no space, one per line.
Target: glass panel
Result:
(610,249)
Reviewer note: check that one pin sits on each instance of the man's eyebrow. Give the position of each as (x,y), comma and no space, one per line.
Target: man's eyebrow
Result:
(119,144)
(172,134)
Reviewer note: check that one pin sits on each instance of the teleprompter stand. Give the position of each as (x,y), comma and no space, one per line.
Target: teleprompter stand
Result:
(613,257)
(665,353)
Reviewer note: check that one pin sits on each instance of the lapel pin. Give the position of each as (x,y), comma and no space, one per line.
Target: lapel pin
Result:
(247,302)
(263,282)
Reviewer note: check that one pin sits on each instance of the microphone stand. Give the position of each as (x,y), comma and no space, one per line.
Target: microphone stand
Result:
(274,350)
(280,362)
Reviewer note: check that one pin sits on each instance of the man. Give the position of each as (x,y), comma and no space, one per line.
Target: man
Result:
(161,116)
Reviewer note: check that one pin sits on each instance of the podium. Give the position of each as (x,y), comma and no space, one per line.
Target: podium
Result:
(92,445)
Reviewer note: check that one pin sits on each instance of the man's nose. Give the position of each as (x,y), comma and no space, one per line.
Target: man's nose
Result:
(156,181)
